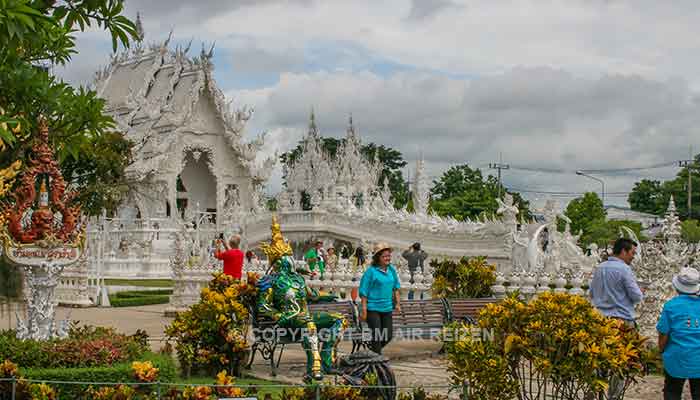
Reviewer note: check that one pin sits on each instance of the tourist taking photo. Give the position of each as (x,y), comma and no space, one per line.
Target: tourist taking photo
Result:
(232,256)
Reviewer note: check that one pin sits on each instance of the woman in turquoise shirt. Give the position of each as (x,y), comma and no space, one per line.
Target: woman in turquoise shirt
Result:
(679,336)
(379,291)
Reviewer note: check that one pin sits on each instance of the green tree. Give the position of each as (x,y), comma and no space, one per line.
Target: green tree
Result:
(35,34)
(653,196)
(603,233)
(463,192)
(690,230)
(391,159)
(393,163)
(648,196)
(584,211)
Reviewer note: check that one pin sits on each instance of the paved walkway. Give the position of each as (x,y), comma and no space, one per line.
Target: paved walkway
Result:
(414,362)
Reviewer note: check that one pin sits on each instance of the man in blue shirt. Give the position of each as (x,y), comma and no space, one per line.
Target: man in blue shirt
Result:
(679,336)
(614,292)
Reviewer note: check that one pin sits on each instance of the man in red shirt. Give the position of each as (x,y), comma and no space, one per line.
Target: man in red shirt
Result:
(232,257)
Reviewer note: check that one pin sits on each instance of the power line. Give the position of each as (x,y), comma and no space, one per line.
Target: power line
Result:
(594,171)
(653,166)
(512,189)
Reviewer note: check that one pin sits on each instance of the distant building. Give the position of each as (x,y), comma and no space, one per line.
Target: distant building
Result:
(649,221)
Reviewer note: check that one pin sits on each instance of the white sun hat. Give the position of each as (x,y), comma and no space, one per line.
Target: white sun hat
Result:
(687,281)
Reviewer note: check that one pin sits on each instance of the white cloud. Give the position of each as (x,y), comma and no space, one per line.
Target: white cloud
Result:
(575,84)
(535,116)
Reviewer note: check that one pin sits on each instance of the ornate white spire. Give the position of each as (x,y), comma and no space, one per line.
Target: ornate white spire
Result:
(351,128)
(421,189)
(140,33)
(671,209)
(311,172)
(313,129)
(671,226)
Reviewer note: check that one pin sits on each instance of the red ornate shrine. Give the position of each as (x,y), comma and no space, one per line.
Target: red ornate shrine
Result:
(41,169)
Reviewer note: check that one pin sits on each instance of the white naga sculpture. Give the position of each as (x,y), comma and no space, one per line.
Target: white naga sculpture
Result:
(543,257)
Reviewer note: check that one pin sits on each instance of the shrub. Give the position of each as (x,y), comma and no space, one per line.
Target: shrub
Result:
(139,300)
(134,298)
(468,278)
(23,389)
(85,346)
(122,372)
(557,341)
(211,333)
(326,393)
(224,389)
(420,394)
(140,293)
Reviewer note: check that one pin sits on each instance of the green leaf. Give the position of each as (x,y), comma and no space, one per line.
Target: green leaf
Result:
(6,136)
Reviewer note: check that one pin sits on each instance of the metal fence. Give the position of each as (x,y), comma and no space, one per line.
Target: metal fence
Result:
(161,389)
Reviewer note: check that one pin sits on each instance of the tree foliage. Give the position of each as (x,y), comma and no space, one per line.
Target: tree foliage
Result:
(588,217)
(34,35)
(648,196)
(391,159)
(652,196)
(585,211)
(466,278)
(690,230)
(603,233)
(463,192)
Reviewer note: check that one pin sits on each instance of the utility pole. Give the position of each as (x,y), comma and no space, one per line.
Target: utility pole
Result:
(688,165)
(499,166)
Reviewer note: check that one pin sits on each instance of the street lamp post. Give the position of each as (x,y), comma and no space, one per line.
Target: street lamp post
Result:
(602,184)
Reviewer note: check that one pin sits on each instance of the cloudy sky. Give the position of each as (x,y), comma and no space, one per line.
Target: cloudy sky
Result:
(553,86)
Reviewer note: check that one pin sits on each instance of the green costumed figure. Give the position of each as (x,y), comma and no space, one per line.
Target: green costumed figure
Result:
(283,296)
(315,259)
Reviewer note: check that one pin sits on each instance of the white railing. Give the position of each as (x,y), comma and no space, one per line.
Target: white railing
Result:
(340,281)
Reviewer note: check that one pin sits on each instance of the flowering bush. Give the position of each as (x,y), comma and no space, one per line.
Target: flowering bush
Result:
(556,342)
(121,392)
(223,388)
(86,346)
(468,278)
(226,389)
(420,394)
(23,390)
(211,334)
(326,393)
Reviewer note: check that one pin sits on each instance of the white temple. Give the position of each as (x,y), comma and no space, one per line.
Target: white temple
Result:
(189,152)
(195,178)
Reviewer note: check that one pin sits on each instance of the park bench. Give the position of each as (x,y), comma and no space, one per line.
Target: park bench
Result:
(420,319)
(269,339)
(467,310)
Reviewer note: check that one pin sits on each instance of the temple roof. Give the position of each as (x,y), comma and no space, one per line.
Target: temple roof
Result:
(155,92)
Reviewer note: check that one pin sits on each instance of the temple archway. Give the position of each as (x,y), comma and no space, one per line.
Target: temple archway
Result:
(196,184)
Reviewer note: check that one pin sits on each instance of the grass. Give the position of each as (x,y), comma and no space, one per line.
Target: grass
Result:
(140,282)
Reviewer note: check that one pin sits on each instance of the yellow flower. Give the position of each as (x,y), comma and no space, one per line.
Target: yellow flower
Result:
(144,371)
